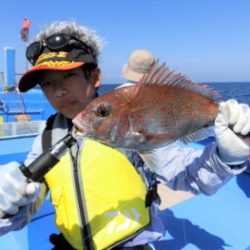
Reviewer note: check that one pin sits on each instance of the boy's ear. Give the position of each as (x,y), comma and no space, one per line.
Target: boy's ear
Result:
(97,77)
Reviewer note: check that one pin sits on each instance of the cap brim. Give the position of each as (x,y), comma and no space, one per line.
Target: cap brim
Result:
(31,77)
(131,75)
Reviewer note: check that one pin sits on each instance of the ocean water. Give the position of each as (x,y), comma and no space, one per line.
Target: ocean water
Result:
(236,90)
(228,90)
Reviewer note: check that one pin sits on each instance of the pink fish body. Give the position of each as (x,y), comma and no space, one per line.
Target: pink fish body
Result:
(163,107)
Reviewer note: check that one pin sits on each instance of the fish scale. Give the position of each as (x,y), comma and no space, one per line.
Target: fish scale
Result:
(181,118)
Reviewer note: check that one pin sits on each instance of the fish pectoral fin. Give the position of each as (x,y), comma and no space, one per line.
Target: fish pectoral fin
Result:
(198,135)
(154,139)
(140,137)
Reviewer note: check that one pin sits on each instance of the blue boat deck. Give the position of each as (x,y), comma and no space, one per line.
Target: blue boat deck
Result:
(217,222)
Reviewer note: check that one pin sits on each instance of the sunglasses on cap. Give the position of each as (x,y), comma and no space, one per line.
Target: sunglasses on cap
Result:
(54,42)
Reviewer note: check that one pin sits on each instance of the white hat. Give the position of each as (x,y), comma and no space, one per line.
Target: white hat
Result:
(140,61)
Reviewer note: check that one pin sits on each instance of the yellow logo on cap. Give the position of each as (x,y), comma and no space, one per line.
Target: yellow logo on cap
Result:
(60,54)
(55,63)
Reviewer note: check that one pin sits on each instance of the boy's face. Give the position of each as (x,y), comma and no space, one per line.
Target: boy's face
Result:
(69,91)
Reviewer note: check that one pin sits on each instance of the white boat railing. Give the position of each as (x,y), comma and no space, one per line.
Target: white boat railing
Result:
(10,130)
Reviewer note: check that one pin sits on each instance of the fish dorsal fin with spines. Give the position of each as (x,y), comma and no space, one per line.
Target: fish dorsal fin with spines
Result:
(160,74)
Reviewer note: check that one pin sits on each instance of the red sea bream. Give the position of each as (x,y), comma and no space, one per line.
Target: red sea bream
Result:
(162,107)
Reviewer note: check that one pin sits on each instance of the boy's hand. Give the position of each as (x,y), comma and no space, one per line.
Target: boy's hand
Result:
(232,122)
(15,190)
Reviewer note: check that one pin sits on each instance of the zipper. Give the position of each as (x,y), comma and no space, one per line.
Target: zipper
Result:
(83,218)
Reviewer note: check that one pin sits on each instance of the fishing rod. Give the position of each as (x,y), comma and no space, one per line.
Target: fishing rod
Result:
(47,160)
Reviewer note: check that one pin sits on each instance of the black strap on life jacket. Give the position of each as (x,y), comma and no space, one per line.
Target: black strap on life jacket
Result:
(47,132)
(152,195)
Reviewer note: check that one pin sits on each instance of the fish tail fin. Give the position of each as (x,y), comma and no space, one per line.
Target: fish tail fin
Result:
(198,135)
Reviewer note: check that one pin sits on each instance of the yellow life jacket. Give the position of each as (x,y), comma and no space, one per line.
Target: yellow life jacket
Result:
(100,201)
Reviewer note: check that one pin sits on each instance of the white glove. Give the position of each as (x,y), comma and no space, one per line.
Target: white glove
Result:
(15,190)
(232,148)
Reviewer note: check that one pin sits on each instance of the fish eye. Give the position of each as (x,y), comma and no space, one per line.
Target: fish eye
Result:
(102,111)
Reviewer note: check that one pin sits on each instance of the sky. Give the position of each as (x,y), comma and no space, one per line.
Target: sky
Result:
(208,40)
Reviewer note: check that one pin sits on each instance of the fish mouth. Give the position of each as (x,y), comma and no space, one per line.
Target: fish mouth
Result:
(78,131)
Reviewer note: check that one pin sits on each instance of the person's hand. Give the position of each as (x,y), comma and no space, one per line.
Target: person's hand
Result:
(231,123)
(15,190)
